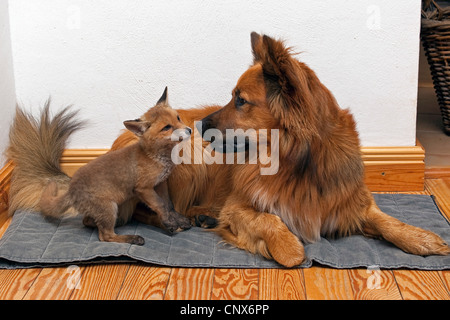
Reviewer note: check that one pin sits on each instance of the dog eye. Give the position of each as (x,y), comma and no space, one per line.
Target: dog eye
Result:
(168,127)
(178,117)
(239,102)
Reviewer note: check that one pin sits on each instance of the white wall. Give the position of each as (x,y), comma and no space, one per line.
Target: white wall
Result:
(112,58)
(7,92)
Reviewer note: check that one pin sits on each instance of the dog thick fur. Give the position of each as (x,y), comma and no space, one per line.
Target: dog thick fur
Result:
(318,190)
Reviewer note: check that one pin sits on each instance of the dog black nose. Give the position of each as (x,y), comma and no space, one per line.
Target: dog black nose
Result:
(208,122)
(205,124)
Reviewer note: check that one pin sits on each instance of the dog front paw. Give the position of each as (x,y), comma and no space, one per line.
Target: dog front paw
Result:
(204,221)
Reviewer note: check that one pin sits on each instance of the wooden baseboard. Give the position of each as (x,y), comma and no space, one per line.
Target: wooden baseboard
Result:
(437,172)
(387,168)
(395,168)
(5,178)
(72,159)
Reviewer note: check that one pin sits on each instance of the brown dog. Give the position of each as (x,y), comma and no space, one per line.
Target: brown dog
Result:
(319,188)
(97,189)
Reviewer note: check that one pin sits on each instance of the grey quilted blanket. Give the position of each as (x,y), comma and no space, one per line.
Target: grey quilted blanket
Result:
(33,241)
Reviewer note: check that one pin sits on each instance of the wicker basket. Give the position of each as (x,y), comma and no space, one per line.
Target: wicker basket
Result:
(435,35)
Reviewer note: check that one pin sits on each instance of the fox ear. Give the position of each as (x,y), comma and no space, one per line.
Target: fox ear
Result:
(138,127)
(163,99)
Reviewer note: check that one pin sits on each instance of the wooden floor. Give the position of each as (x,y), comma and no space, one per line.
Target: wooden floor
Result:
(139,281)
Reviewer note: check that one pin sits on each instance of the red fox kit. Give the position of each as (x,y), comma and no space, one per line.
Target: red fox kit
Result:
(97,189)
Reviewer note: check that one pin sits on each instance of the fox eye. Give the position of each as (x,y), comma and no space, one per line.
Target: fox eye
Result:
(239,101)
(168,127)
(178,118)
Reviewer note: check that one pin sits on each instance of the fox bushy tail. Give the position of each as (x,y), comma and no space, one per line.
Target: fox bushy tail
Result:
(55,204)
(35,147)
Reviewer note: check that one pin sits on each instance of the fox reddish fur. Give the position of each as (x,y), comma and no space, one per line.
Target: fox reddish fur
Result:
(138,171)
(318,190)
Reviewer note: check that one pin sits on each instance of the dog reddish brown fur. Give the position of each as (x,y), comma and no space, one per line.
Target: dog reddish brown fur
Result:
(319,188)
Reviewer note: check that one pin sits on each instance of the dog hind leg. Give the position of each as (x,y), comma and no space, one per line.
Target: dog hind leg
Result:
(409,238)
(259,232)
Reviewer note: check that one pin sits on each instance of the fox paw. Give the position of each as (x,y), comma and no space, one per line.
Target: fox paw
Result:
(175,222)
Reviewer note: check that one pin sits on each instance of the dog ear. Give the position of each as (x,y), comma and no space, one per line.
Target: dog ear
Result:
(289,84)
(138,126)
(277,63)
(164,98)
(256,41)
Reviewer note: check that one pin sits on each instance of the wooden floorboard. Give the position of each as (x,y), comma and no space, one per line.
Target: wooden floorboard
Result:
(281,284)
(235,284)
(374,284)
(143,281)
(55,283)
(190,283)
(440,188)
(328,284)
(421,285)
(103,281)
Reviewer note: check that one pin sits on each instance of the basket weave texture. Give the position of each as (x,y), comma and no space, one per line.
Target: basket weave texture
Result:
(435,35)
